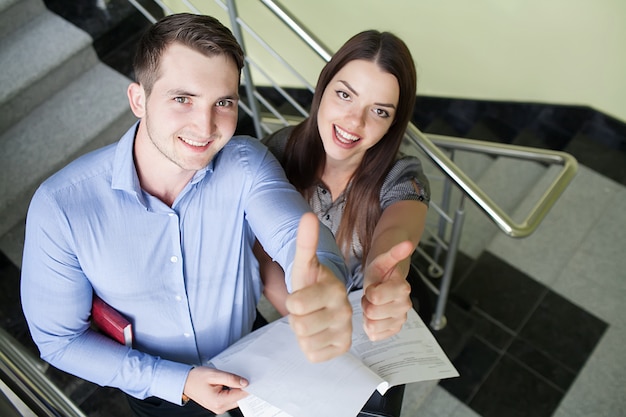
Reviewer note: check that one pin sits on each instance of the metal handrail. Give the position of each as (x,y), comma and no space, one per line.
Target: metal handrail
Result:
(471,189)
(292,22)
(21,373)
(429,145)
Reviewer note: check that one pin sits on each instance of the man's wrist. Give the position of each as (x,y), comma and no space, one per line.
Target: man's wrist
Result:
(185,398)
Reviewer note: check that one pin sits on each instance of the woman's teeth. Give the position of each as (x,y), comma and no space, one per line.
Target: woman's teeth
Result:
(344,136)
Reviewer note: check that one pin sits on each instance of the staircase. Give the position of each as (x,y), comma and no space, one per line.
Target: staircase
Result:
(57,101)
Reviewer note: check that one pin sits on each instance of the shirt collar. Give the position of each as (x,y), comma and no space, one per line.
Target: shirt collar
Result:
(124,175)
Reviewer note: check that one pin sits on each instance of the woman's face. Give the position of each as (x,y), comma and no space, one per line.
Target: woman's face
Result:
(357,108)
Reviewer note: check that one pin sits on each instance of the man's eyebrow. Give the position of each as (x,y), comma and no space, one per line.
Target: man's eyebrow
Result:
(180,92)
(353,91)
(234,97)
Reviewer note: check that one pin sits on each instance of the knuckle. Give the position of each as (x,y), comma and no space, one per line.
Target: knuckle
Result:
(299,327)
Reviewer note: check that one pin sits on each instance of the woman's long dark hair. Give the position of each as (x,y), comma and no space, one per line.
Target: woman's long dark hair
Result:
(304,155)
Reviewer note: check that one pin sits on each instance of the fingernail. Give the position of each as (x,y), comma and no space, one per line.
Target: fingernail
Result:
(243,382)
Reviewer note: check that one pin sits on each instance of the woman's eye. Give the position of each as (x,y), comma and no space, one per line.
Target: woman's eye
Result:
(381,113)
(343,95)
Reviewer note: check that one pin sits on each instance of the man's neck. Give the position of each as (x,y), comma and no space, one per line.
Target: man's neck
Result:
(157,175)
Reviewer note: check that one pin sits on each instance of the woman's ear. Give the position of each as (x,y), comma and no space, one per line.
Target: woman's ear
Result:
(137,99)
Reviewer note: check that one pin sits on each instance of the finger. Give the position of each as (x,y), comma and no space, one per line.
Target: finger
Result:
(385,262)
(381,268)
(394,288)
(396,309)
(304,269)
(304,325)
(223,399)
(325,354)
(326,345)
(381,330)
(229,380)
(230,396)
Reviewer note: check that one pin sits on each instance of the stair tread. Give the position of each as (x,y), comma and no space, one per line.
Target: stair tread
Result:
(34,50)
(507,182)
(63,128)
(16,13)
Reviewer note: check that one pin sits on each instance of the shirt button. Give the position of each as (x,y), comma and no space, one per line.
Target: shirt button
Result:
(178,298)
(186,334)
(323,191)
(170,214)
(328,217)
(174,259)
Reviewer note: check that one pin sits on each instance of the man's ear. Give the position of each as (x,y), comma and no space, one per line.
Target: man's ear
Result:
(137,99)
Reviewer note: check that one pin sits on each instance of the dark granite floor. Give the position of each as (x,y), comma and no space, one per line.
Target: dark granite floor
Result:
(517,345)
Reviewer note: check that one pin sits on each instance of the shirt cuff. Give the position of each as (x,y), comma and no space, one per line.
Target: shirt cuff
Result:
(170,381)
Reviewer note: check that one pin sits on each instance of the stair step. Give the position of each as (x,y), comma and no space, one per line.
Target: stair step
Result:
(12,244)
(507,182)
(38,60)
(16,13)
(90,112)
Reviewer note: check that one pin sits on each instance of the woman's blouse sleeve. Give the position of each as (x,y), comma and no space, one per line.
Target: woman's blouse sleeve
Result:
(276,142)
(405,181)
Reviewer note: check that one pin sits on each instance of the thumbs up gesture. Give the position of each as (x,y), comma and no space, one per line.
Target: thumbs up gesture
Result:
(386,297)
(319,311)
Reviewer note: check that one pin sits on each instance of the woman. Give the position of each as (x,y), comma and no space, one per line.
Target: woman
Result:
(344,158)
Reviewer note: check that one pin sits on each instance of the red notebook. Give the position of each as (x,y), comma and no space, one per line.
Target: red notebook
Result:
(110,322)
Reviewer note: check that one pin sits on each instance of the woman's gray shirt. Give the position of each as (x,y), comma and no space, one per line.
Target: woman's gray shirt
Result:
(405,181)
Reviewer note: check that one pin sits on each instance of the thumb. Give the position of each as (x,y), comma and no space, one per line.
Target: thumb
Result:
(304,269)
(383,264)
(231,380)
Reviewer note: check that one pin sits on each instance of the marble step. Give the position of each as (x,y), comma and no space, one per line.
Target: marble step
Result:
(90,112)
(38,60)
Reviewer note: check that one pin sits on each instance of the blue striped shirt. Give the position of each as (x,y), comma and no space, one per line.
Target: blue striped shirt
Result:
(184,275)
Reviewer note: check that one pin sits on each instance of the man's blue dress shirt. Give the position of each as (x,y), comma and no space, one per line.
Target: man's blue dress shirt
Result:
(184,275)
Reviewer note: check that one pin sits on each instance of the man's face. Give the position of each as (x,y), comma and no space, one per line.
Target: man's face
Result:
(191,112)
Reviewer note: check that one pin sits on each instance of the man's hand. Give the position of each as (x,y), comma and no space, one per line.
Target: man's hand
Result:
(215,390)
(387,294)
(319,311)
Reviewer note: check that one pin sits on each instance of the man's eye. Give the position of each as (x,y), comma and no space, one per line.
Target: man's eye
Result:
(224,103)
(181,100)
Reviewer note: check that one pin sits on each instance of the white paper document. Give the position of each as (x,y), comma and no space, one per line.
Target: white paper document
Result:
(283,383)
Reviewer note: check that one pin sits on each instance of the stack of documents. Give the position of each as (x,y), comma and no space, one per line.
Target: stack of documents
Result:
(283,383)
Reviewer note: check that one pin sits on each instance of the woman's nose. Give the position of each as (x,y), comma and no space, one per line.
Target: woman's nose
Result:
(356,117)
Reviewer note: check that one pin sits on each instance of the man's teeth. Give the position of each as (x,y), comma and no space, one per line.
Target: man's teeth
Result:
(193,143)
(344,136)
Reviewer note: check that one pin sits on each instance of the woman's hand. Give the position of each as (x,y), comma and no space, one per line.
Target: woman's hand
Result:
(387,294)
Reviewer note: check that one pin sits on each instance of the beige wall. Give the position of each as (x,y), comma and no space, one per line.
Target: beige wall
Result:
(552,51)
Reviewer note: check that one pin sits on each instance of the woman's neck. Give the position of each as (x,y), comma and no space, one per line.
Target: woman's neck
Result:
(337,177)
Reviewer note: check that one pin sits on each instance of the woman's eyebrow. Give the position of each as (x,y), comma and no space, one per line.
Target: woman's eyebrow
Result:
(353,91)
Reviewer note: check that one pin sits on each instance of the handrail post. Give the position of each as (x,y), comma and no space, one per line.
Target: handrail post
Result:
(445,206)
(256,118)
(439,321)
(281,12)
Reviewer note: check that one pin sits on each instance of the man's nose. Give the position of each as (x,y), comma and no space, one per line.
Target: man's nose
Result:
(205,122)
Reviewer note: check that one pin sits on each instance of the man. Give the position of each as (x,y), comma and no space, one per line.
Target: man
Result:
(161,225)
